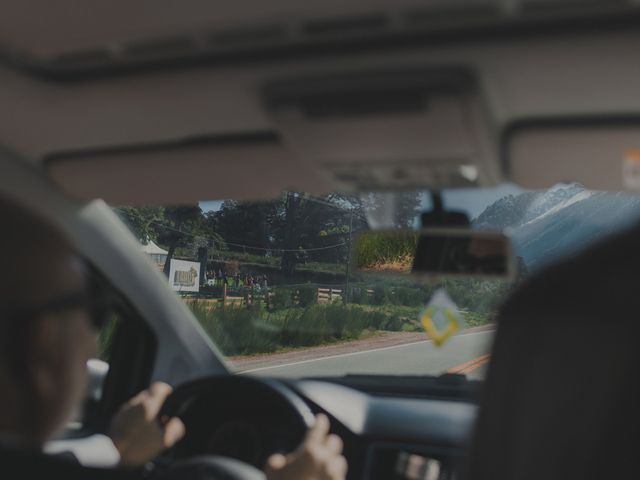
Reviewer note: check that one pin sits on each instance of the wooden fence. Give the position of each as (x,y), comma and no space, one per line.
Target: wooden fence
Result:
(239,297)
(328,295)
(324,295)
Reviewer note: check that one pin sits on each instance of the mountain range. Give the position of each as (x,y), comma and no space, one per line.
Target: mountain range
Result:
(547,224)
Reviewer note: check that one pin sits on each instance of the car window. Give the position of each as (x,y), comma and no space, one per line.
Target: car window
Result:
(106,337)
(271,283)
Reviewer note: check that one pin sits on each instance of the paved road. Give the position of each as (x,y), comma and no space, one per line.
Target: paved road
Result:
(466,351)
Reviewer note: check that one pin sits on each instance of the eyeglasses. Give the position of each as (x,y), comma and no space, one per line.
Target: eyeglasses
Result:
(96,304)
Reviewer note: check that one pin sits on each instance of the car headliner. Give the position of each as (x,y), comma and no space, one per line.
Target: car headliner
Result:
(541,73)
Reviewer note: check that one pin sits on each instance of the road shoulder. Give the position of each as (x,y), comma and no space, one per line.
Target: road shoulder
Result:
(381,340)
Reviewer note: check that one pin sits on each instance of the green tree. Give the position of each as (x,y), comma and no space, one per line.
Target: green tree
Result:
(142,221)
(179,228)
(243,226)
(296,226)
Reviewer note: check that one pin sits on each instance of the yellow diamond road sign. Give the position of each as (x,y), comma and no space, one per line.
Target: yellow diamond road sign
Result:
(441,319)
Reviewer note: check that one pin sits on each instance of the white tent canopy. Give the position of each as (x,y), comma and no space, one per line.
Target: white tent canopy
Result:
(152,249)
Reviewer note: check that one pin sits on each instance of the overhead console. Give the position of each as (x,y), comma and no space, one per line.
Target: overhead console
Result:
(388,128)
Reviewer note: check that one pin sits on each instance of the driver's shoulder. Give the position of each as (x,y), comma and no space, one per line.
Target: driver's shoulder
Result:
(32,464)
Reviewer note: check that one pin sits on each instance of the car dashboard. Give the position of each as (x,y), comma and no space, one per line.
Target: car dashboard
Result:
(384,436)
(393,437)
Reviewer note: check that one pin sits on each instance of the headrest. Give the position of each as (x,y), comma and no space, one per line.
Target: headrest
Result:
(562,395)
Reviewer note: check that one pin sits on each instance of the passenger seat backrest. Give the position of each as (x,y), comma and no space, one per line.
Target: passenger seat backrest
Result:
(562,394)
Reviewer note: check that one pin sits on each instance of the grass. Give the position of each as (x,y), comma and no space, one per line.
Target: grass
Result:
(476,319)
(106,337)
(320,267)
(379,251)
(294,320)
(238,330)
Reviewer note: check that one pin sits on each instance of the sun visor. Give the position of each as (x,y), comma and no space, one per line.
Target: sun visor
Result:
(242,167)
(379,130)
(601,154)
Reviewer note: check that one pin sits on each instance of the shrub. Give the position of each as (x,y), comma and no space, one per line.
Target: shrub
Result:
(239,330)
(359,295)
(380,295)
(406,296)
(475,319)
(282,298)
(307,296)
(236,330)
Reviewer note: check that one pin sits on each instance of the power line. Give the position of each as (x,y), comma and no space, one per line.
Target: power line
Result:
(314,249)
(264,249)
(335,205)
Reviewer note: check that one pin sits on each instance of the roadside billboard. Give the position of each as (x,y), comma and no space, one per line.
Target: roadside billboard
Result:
(184,276)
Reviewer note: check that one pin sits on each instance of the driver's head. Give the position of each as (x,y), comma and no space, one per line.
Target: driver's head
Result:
(45,333)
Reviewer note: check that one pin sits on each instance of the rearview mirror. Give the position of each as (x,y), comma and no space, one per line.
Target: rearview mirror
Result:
(435,252)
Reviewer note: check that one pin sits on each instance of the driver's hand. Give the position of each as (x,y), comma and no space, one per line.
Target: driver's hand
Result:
(318,458)
(136,431)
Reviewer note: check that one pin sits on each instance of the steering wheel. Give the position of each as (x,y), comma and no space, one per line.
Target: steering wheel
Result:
(231,416)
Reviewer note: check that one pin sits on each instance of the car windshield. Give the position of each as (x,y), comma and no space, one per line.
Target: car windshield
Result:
(272,284)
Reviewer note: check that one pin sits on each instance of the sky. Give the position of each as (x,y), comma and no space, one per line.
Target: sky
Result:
(211,205)
(472,201)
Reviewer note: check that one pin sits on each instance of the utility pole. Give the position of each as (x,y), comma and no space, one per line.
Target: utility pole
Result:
(347,293)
